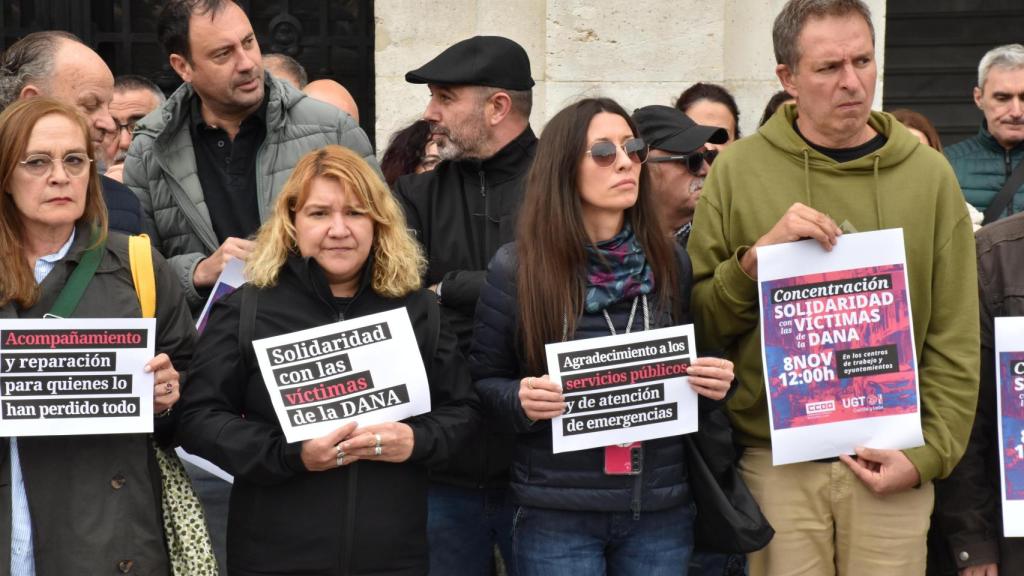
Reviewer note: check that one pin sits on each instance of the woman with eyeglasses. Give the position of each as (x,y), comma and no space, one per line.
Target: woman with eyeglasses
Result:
(590,260)
(87,504)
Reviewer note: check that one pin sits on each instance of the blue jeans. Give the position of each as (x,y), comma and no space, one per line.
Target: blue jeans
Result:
(463,525)
(717,564)
(568,543)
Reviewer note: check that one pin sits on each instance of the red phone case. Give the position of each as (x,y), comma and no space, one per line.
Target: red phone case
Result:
(622,460)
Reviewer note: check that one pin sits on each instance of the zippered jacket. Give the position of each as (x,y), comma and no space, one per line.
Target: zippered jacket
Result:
(161,169)
(572,480)
(363,518)
(461,213)
(982,166)
(968,516)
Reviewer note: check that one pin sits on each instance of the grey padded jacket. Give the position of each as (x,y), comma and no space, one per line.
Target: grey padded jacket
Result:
(161,169)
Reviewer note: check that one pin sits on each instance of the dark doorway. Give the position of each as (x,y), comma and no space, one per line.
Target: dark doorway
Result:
(330,38)
(932,49)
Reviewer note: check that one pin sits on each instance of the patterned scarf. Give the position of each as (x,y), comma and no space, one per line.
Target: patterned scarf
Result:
(617,270)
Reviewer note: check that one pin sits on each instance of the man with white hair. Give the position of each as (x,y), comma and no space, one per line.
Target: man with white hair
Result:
(56,64)
(985,162)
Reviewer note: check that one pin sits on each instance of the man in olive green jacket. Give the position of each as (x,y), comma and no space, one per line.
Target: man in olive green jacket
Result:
(826,165)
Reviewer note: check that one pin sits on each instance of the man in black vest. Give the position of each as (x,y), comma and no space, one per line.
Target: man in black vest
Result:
(479,111)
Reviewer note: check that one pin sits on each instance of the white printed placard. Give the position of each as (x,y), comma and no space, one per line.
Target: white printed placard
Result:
(61,377)
(366,370)
(837,341)
(1009,334)
(229,280)
(623,389)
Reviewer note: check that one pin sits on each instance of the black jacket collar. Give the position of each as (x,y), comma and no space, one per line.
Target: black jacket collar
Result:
(506,164)
(308,272)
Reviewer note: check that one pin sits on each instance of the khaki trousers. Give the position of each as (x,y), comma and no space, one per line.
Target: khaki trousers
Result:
(828,523)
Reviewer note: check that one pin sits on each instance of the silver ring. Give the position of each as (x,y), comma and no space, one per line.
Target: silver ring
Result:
(377,451)
(340,458)
(377,438)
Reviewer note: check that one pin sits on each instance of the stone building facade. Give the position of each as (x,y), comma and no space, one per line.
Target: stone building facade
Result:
(638,53)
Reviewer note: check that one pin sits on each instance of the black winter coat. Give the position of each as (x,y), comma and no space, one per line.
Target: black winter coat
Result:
(967,521)
(363,518)
(95,499)
(461,213)
(572,480)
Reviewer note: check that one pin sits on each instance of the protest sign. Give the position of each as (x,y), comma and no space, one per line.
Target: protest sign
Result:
(1009,334)
(228,281)
(838,347)
(75,376)
(367,370)
(623,389)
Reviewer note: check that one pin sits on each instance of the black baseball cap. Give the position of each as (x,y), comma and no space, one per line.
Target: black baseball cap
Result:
(668,129)
(478,61)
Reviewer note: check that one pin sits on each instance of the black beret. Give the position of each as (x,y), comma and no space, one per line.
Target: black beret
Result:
(668,129)
(478,61)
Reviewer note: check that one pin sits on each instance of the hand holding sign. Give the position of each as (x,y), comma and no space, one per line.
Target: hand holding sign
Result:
(394,440)
(319,454)
(165,382)
(711,377)
(798,223)
(883,471)
(209,268)
(540,398)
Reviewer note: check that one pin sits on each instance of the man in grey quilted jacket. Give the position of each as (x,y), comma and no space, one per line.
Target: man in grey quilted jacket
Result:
(208,164)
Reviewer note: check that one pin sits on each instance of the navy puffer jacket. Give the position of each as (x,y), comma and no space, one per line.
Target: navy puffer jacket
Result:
(572,480)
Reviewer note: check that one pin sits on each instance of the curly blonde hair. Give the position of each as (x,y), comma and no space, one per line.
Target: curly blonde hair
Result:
(398,261)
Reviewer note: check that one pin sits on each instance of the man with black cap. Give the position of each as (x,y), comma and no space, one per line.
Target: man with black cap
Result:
(678,161)
(479,111)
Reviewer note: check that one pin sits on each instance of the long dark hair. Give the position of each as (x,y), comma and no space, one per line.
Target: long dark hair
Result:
(405,151)
(711,93)
(550,239)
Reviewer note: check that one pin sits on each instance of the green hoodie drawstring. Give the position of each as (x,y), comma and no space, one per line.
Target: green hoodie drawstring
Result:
(807,177)
(878,194)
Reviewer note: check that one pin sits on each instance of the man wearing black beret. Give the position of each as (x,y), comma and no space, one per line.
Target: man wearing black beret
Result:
(678,162)
(479,111)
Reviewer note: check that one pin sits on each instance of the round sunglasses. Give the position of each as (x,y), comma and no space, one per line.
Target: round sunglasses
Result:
(604,153)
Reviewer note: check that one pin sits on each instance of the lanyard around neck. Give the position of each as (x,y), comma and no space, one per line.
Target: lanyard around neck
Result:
(608,319)
(632,315)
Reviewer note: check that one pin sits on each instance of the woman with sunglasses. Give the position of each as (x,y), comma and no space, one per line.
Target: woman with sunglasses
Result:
(590,260)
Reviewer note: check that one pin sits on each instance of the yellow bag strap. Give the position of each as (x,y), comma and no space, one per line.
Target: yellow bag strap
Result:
(141,257)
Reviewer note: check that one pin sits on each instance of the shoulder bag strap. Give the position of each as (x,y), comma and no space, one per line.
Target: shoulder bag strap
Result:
(1002,200)
(69,297)
(140,255)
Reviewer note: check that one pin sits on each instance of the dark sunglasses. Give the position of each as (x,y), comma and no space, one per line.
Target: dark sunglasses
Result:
(693,162)
(604,153)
